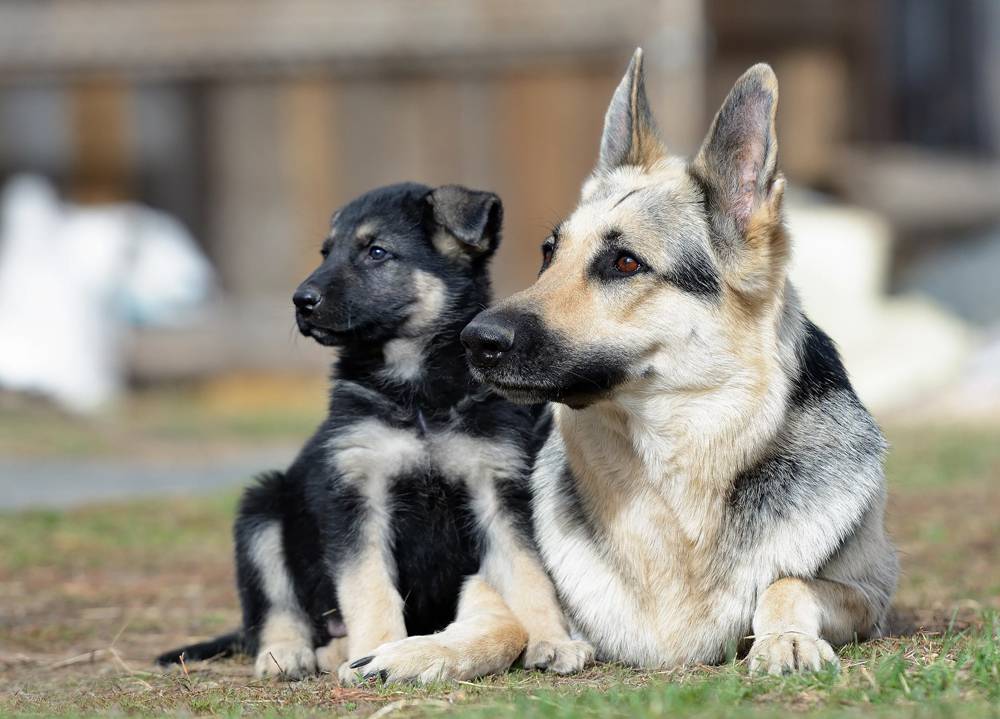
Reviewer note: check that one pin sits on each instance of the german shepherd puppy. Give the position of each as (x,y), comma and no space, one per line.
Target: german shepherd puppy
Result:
(711,476)
(409,507)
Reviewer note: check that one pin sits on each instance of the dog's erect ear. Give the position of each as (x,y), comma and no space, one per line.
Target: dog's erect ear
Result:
(738,160)
(471,219)
(738,164)
(630,136)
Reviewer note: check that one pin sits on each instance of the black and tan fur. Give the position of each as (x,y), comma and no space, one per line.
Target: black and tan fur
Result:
(408,509)
(711,478)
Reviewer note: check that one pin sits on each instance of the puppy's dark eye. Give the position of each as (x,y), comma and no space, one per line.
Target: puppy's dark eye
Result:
(627,264)
(324,253)
(377,253)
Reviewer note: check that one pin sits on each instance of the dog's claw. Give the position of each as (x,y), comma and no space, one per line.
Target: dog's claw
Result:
(790,653)
(358,663)
(382,674)
(558,656)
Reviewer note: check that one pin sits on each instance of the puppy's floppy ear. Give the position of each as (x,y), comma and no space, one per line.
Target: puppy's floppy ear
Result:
(738,166)
(470,218)
(630,135)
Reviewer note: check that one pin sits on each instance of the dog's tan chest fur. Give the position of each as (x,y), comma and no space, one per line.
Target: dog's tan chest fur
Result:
(644,562)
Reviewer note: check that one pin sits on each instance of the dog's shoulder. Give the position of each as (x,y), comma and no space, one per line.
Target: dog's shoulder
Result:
(823,470)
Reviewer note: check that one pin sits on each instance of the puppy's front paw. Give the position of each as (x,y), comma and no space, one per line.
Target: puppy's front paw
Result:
(288,661)
(562,656)
(790,652)
(330,657)
(415,659)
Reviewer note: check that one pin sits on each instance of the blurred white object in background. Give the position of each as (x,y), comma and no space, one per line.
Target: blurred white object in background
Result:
(72,277)
(898,349)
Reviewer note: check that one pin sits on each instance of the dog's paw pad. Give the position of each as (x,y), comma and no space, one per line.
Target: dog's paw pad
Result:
(564,656)
(790,652)
(289,661)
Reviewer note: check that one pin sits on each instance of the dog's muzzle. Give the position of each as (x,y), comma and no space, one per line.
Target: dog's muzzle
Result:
(306,300)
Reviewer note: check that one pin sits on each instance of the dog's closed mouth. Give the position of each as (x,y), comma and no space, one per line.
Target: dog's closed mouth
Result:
(326,335)
(517,391)
(319,334)
(519,387)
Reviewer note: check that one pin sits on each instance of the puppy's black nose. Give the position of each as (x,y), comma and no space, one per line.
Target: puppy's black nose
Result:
(306,299)
(486,340)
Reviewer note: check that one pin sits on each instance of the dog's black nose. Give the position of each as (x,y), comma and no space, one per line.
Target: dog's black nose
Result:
(486,340)
(306,299)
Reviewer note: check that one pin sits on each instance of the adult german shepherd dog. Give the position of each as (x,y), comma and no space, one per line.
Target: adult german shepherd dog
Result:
(409,506)
(711,477)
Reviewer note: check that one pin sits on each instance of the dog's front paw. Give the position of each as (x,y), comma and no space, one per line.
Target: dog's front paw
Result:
(330,657)
(288,661)
(562,656)
(790,652)
(415,659)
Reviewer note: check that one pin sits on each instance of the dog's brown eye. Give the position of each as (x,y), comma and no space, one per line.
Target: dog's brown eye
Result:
(627,265)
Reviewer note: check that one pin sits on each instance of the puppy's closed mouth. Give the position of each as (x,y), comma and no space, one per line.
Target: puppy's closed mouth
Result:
(326,336)
(323,336)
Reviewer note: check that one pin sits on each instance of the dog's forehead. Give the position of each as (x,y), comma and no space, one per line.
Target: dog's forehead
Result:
(365,223)
(663,204)
(393,209)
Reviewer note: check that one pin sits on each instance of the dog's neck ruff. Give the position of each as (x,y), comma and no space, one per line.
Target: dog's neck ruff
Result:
(667,438)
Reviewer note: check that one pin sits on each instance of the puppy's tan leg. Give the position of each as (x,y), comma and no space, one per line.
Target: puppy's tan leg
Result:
(332,656)
(286,643)
(522,581)
(370,606)
(485,638)
(797,619)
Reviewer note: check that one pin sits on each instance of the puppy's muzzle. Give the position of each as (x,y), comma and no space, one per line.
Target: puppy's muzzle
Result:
(487,339)
(306,300)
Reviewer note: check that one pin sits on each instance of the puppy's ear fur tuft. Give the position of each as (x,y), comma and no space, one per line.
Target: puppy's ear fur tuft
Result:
(471,217)
(630,136)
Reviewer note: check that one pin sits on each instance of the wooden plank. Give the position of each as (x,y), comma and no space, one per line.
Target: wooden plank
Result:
(309,134)
(213,36)
(251,217)
(101,170)
(548,131)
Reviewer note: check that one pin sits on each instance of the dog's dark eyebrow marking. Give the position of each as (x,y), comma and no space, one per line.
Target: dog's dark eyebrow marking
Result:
(695,274)
(612,237)
(625,197)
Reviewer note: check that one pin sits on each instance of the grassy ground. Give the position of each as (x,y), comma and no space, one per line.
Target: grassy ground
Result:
(89,596)
(223,413)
